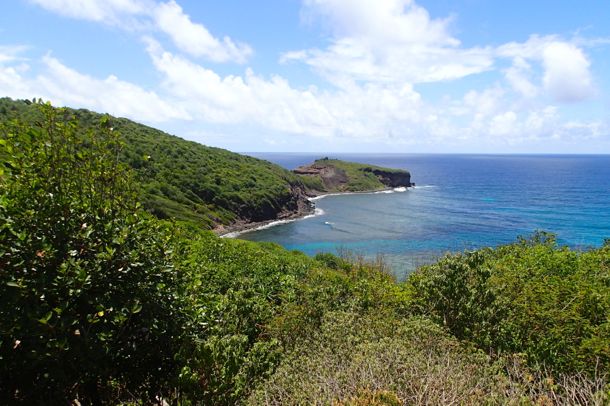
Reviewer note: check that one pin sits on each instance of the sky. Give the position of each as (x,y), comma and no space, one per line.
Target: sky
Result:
(400,76)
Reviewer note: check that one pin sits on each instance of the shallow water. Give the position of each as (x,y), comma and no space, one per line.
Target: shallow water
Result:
(460,202)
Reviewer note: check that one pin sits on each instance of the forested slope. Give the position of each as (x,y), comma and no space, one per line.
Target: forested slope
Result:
(186,180)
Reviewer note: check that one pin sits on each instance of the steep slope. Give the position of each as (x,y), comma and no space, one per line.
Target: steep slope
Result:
(188,181)
(333,175)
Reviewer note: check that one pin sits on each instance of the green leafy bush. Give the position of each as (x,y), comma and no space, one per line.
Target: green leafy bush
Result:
(89,299)
(534,297)
(378,359)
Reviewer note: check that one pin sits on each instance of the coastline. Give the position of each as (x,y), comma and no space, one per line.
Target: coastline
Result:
(239,228)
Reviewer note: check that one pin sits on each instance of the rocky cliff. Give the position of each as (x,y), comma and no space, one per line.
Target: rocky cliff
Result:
(391,178)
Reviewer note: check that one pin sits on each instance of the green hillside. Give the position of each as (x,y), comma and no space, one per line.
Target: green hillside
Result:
(101,303)
(186,180)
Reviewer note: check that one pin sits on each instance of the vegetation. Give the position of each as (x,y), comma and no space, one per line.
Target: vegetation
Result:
(89,296)
(531,297)
(103,303)
(186,180)
(378,360)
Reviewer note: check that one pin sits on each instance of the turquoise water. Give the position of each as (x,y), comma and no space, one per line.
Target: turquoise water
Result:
(460,202)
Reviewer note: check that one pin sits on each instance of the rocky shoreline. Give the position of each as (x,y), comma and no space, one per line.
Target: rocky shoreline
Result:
(241,227)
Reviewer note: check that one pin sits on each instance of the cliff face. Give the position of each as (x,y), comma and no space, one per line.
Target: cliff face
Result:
(392,179)
(331,175)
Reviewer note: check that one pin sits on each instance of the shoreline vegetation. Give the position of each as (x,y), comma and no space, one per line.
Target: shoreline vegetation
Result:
(104,303)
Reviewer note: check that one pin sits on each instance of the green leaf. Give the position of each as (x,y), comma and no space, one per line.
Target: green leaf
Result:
(137,307)
(46,318)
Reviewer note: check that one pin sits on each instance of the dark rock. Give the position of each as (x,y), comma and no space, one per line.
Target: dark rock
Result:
(391,178)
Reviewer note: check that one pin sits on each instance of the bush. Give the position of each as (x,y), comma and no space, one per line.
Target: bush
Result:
(531,297)
(89,299)
(377,359)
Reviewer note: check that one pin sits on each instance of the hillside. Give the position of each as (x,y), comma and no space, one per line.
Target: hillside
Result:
(212,187)
(189,181)
(103,304)
(333,175)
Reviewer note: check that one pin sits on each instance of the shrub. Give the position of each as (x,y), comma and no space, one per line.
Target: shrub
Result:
(531,297)
(89,299)
(377,359)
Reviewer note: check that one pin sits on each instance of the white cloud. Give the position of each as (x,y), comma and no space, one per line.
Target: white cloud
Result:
(371,111)
(12,83)
(69,87)
(272,103)
(10,53)
(393,21)
(579,131)
(387,41)
(65,86)
(194,38)
(148,15)
(12,68)
(566,77)
(518,76)
(397,41)
(503,124)
(541,122)
(484,103)
(105,11)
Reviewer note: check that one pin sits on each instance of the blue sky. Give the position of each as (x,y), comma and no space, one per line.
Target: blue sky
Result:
(325,75)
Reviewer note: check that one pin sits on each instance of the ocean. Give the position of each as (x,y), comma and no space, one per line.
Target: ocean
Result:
(460,202)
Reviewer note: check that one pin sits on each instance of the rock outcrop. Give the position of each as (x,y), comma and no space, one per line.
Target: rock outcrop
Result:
(332,175)
(293,203)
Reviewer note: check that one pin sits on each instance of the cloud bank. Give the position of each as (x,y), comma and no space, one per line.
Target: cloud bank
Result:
(376,56)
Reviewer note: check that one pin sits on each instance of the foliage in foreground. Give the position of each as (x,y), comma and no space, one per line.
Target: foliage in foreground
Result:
(102,303)
(89,295)
(376,359)
(533,297)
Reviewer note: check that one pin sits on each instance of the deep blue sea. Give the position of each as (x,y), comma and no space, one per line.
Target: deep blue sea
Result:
(460,202)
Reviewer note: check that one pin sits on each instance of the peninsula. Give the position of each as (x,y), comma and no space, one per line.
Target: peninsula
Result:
(335,176)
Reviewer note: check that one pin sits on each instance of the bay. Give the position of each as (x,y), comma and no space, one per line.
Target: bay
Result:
(460,202)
